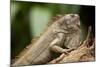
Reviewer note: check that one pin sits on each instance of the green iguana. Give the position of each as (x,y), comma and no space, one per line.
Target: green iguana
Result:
(61,37)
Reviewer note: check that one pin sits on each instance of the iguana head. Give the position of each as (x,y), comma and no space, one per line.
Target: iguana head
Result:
(70,21)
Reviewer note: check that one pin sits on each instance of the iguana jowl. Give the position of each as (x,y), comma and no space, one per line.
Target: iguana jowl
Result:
(63,32)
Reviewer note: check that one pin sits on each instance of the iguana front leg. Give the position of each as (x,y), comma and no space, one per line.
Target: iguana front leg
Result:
(57,43)
(56,46)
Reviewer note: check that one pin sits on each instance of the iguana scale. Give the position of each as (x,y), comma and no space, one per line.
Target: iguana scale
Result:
(64,32)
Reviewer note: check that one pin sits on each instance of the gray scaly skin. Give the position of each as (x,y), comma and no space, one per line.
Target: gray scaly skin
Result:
(63,32)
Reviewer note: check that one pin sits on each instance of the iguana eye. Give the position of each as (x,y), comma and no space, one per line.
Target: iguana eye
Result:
(72,15)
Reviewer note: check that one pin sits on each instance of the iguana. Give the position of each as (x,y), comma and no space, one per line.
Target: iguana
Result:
(62,36)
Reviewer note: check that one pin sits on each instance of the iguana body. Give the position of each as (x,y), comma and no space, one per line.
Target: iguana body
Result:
(63,32)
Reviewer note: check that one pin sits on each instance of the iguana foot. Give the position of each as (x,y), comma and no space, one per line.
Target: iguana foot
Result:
(66,51)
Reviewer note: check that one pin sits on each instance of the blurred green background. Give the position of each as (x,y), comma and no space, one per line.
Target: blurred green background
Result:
(29,20)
